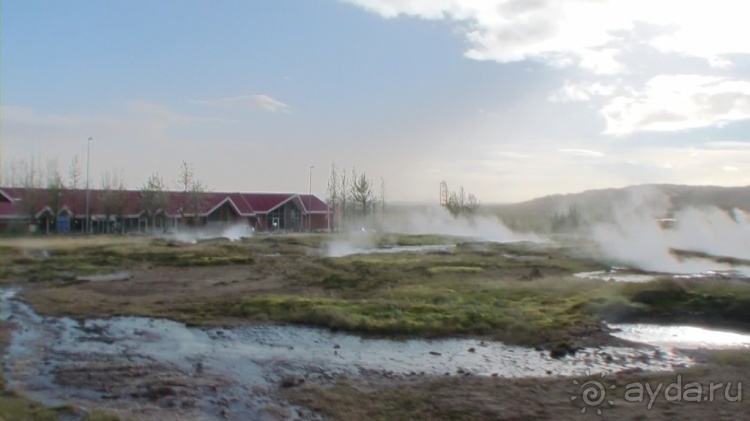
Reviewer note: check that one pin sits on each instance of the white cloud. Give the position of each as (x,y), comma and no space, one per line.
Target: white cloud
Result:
(246,102)
(729,168)
(727,144)
(581,152)
(589,33)
(578,92)
(678,102)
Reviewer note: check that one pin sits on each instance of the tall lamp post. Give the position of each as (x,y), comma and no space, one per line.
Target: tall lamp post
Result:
(88,215)
(309,202)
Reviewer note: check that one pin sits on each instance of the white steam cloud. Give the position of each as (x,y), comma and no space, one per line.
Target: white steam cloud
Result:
(637,238)
(232,233)
(434,220)
(437,220)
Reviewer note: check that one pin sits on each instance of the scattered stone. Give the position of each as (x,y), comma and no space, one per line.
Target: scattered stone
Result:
(291,381)
(557,353)
(336,346)
(562,349)
(472,350)
(435,353)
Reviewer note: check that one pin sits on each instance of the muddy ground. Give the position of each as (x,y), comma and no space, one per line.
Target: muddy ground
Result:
(520,293)
(481,398)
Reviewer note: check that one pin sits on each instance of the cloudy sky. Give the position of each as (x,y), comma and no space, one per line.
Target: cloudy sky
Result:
(512,99)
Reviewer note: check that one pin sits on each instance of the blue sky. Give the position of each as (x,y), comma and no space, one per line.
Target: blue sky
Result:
(511,99)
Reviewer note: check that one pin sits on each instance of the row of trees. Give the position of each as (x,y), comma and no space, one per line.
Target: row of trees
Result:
(191,200)
(354,195)
(458,202)
(567,222)
(44,184)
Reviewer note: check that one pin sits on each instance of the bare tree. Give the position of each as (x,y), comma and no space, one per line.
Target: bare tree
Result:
(334,193)
(458,203)
(113,197)
(472,204)
(12,174)
(55,191)
(197,197)
(153,197)
(362,194)
(344,193)
(382,199)
(191,191)
(30,178)
(74,173)
(120,201)
(444,194)
(185,175)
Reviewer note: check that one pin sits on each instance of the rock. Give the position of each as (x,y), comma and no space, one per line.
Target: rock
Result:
(562,349)
(336,346)
(558,353)
(291,381)
(435,353)
(472,350)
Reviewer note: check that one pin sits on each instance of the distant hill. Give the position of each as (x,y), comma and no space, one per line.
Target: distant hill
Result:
(538,214)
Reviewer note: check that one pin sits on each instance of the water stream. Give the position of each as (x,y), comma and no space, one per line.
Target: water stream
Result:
(168,371)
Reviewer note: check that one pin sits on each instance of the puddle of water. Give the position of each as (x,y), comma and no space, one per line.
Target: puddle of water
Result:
(685,337)
(727,275)
(614,276)
(233,372)
(736,274)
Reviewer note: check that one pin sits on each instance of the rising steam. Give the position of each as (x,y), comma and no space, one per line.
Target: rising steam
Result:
(636,238)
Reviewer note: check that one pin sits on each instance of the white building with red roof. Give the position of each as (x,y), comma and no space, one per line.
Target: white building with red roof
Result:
(126,211)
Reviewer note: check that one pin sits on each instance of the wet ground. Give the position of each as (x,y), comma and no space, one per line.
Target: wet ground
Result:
(163,370)
(681,337)
(629,275)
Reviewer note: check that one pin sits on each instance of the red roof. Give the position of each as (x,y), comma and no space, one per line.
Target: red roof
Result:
(265,202)
(246,204)
(316,205)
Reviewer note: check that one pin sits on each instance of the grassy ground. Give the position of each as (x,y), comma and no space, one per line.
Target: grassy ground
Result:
(521,293)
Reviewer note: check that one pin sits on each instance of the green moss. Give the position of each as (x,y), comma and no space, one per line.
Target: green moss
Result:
(509,312)
(101,415)
(16,408)
(436,270)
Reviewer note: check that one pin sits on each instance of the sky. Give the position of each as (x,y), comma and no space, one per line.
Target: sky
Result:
(511,99)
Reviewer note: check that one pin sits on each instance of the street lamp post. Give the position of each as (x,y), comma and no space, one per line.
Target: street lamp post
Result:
(309,202)
(88,215)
